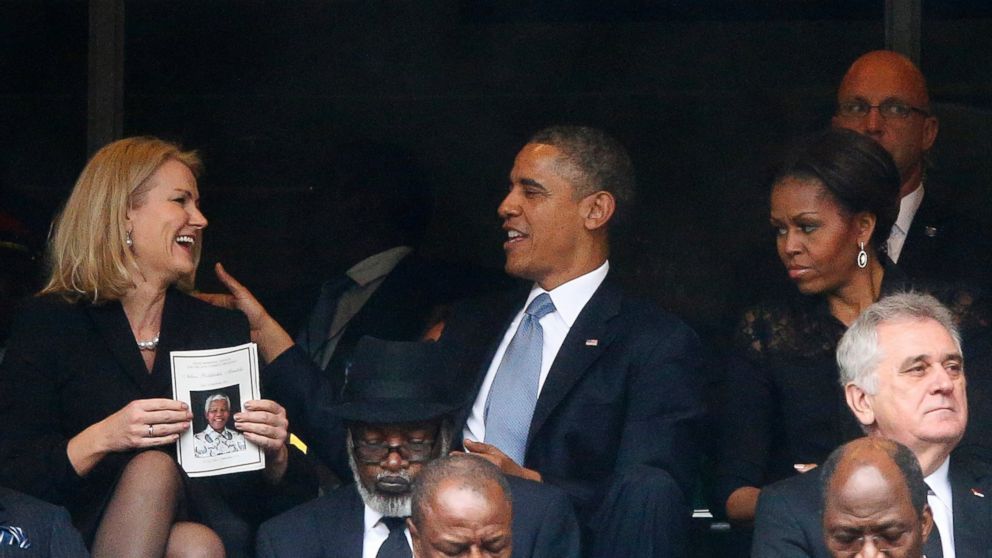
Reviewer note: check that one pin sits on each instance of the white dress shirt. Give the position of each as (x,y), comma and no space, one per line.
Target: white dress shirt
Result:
(376,533)
(569,300)
(941,503)
(908,206)
(368,275)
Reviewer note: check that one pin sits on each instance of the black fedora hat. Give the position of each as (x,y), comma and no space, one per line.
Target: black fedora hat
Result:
(395,381)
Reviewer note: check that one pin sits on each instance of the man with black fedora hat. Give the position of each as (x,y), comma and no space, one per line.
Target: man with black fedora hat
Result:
(396,407)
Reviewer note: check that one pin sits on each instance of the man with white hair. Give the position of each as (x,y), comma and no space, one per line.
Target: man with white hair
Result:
(217,438)
(902,369)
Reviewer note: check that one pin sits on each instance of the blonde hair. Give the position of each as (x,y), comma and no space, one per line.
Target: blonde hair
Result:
(89,255)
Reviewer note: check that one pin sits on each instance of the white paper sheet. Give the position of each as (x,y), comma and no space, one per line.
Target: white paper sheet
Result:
(203,450)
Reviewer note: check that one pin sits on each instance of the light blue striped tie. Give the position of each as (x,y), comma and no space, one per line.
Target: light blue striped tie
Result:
(513,395)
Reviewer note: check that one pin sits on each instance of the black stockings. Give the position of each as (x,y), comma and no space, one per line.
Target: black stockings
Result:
(140,520)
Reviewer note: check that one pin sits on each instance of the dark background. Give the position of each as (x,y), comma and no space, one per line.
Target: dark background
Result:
(703,93)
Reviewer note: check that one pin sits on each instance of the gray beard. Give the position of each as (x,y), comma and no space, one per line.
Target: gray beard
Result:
(390,505)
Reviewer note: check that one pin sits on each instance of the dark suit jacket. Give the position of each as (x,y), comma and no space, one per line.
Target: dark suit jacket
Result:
(46,526)
(944,245)
(789,516)
(72,365)
(413,294)
(621,392)
(399,310)
(333,525)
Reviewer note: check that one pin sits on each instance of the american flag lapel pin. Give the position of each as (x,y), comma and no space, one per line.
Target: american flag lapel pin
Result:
(592,342)
(977,493)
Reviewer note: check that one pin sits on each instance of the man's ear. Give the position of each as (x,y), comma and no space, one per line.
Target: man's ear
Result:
(597,209)
(926,521)
(930,128)
(860,404)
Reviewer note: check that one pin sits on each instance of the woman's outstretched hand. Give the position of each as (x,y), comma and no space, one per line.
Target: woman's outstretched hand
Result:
(271,338)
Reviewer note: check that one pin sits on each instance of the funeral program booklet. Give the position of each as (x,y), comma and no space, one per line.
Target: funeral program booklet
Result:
(215,383)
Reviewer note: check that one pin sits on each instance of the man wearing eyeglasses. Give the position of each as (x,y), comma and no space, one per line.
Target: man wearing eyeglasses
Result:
(902,367)
(884,96)
(397,405)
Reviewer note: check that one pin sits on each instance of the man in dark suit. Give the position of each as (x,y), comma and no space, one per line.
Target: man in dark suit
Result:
(904,380)
(884,96)
(358,231)
(33,528)
(875,501)
(571,382)
(397,407)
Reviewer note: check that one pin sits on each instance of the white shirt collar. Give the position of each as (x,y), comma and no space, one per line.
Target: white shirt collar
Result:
(940,483)
(908,206)
(571,297)
(372,518)
(377,265)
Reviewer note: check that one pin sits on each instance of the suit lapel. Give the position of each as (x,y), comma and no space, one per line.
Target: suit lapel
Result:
(342,527)
(588,338)
(113,327)
(399,297)
(972,524)
(923,237)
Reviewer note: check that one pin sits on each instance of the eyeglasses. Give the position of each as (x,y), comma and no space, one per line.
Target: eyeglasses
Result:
(896,110)
(373,453)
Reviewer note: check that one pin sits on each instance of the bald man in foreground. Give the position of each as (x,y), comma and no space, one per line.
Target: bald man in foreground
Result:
(461,507)
(875,501)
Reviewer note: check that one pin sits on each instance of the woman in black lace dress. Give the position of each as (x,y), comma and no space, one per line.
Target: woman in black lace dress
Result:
(832,205)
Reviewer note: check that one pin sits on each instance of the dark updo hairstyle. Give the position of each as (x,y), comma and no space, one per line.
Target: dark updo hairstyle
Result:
(854,169)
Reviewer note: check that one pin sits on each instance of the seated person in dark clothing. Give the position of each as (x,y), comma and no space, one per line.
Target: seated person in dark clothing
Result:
(397,405)
(461,507)
(605,384)
(884,96)
(874,501)
(87,418)
(904,377)
(360,231)
(832,204)
(31,527)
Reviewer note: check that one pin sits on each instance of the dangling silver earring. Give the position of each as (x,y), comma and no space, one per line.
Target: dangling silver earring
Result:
(862,257)
(128,241)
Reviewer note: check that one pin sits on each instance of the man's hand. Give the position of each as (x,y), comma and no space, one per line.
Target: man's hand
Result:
(498,458)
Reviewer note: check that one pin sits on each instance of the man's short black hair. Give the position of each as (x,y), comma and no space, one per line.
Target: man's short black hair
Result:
(473,473)
(905,459)
(598,161)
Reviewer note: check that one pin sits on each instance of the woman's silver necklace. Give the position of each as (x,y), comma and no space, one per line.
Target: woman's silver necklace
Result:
(149,345)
